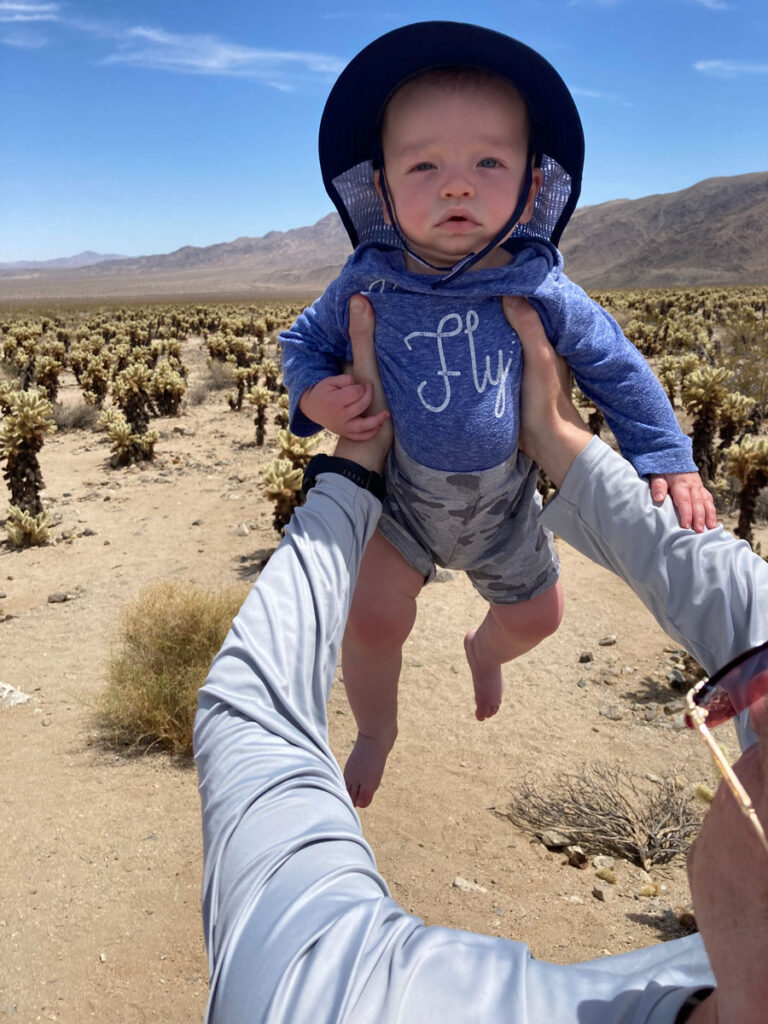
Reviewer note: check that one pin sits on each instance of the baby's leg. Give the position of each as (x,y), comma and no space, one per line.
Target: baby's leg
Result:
(381,617)
(506,632)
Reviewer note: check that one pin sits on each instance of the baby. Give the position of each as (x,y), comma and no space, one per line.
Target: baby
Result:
(454,155)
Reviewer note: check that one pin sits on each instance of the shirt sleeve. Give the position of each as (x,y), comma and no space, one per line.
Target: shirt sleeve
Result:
(298,922)
(617,378)
(707,590)
(315,347)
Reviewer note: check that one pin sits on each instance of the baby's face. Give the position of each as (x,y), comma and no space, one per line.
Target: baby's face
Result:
(455,160)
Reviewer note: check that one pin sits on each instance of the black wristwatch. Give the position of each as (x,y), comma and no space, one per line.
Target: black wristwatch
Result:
(364,478)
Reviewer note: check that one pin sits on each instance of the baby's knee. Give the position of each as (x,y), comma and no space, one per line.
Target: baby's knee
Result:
(384,622)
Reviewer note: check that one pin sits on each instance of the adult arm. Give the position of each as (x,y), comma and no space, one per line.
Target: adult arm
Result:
(709,591)
(299,925)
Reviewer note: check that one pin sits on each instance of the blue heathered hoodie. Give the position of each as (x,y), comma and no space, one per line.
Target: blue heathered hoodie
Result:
(451,364)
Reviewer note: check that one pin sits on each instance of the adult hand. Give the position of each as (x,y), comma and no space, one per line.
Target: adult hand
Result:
(551,430)
(728,871)
(371,450)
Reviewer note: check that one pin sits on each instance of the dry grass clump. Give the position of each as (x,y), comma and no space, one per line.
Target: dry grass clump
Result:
(80,416)
(167,639)
(604,810)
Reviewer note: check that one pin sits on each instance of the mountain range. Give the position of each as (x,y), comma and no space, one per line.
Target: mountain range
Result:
(715,232)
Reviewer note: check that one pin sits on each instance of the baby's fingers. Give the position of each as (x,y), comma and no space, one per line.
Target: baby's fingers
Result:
(659,489)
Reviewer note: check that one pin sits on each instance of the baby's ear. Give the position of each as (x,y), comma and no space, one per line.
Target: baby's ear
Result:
(537,177)
(377,186)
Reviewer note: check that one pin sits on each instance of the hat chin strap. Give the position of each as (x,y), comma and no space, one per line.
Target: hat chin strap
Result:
(451,273)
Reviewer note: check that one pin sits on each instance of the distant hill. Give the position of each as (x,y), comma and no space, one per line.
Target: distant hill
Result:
(715,232)
(83,259)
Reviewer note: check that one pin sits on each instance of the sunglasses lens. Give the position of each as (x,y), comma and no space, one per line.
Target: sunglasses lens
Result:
(734,689)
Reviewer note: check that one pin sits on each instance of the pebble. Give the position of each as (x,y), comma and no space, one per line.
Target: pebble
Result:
(10,697)
(58,597)
(599,894)
(443,576)
(3,594)
(602,860)
(242,530)
(607,641)
(613,713)
(576,856)
(553,838)
(585,657)
(464,886)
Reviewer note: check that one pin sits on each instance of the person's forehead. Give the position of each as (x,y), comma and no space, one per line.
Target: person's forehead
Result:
(413,103)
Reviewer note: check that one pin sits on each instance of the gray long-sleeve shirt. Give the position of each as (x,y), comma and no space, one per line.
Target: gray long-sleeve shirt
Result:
(299,925)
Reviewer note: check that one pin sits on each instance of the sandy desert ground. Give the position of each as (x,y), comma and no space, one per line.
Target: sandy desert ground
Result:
(101,853)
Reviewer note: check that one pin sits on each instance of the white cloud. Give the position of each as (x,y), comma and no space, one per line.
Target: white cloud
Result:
(19,12)
(730,68)
(206,55)
(595,94)
(23,41)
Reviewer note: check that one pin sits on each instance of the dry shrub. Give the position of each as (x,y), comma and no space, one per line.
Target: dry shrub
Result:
(80,416)
(604,810)
(167,639)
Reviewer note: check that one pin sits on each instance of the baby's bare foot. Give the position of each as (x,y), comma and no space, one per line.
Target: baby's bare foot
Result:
(365,766)
(486,680)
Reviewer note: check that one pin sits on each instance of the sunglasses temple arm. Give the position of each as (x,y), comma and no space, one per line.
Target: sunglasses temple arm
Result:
(733,781)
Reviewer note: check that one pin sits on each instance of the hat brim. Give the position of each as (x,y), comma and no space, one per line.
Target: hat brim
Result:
(351,121)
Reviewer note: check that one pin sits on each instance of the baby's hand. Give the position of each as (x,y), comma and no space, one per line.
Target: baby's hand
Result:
(338,404)
(695,505)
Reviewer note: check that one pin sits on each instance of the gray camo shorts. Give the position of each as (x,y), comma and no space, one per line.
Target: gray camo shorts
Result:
(485,523)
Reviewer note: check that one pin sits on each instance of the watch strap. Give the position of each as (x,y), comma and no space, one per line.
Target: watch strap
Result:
(365,478)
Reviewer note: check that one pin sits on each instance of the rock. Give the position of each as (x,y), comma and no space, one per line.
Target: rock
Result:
(599,894)
(613,713)
(602,861)
(10,697)
(464,886)
(585,657)
(3,594)
(676,679)
(576,856)
(443,576)
(678,722)
(582,682)
(607,641)
(553,839)
(651,714)
(197,522)
(58,597)
(242,530)
(674,707)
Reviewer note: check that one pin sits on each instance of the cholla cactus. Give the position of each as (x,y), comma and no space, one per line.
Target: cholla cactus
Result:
(298,450)
(94,380)
(167,387)
(259,399)
(748,461)
(127,446)
(131,393)
(282,416)
(28,417)
(282,485)
(24,530)
(703,394)
(595,418)
(271,370)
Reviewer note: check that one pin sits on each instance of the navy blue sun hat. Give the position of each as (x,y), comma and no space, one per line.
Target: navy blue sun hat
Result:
(350,128)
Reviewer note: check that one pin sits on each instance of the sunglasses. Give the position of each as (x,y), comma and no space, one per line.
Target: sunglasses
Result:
(718,699)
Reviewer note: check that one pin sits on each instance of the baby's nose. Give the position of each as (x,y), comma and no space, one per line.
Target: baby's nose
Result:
(456,186)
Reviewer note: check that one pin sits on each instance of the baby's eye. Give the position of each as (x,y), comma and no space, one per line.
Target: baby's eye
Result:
(424,165)
(488,161)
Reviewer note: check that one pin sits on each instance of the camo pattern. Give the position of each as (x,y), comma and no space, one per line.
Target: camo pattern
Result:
(485,523)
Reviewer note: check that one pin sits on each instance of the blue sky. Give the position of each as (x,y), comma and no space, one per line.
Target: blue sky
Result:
(138,127)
